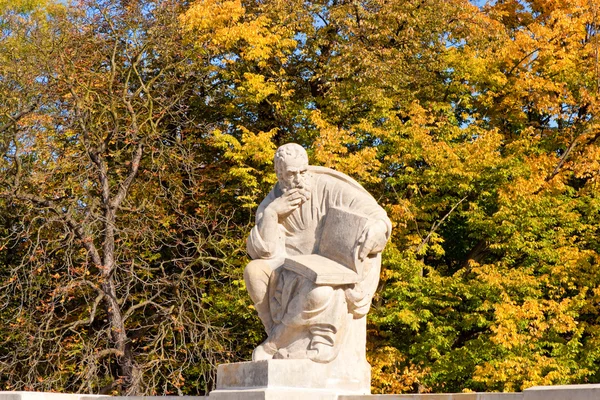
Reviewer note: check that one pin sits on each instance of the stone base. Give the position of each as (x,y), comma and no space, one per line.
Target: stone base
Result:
(22,395)
(290,380)
(273,394)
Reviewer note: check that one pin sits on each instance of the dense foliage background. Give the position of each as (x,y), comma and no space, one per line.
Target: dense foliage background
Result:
(137,139)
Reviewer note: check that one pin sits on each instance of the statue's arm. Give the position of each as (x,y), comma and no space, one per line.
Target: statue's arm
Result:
(266,241)
(374,237)
(267,224)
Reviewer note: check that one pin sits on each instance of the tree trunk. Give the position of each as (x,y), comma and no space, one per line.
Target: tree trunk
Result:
(129,371)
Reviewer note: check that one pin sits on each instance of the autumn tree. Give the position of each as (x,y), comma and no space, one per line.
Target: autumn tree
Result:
(114,252)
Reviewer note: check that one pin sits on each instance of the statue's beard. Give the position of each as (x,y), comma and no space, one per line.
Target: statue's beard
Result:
(304,184)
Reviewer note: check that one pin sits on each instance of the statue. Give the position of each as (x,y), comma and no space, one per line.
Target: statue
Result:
(316,258)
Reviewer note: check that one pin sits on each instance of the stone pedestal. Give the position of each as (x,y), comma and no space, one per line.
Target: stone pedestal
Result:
(290,380)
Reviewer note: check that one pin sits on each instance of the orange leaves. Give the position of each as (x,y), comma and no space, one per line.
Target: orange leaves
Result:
(588,165)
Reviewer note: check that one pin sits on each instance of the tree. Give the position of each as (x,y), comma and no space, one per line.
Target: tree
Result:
(118,253)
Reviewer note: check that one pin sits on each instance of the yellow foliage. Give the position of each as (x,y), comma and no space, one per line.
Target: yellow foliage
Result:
(205,14)
(252,151)
(330,150)
(257,88)
(216,17)
(589,163)
(391,372)
(528,370)
(218,25)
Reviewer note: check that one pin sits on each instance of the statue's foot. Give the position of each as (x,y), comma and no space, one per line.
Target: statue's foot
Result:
(322,352)
(323,347)
(281,354)
(265,351)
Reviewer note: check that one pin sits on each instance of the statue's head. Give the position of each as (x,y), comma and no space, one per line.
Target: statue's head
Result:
(291,167)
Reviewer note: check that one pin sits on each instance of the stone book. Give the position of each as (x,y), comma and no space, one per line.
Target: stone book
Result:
(336,260)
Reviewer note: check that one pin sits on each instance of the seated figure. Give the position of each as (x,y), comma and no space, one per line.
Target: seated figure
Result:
(304,317)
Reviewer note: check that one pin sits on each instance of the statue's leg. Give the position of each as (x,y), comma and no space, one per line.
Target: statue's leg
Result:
(256,276)
(281,287)
(320,312)
(326,311)
(302,319)
(359,296)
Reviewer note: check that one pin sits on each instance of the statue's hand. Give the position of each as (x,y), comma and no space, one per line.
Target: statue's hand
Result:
(373,239)
(288,202)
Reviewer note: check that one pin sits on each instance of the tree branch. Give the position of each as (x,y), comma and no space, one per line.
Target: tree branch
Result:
(15,118)
(437,224)
(88,321)
(86,241)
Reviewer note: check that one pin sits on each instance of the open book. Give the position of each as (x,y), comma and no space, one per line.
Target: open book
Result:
(336,260)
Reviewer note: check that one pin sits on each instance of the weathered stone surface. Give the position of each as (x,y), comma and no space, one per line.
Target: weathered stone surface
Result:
(158,397)
(273,394)
(279,379)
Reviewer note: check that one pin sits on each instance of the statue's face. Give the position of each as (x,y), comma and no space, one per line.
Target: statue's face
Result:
(294,174)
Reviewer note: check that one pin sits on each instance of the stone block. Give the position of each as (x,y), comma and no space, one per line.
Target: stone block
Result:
(563,392)
(273,394)
(437,396)
(299,374)
(14,395)
(285,379)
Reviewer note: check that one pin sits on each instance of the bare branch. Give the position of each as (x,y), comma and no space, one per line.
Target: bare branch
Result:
(14,119)
(126,184)
(86,241)
(88,321)
(436,225)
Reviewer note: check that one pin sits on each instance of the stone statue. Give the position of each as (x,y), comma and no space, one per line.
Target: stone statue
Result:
(316,251)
